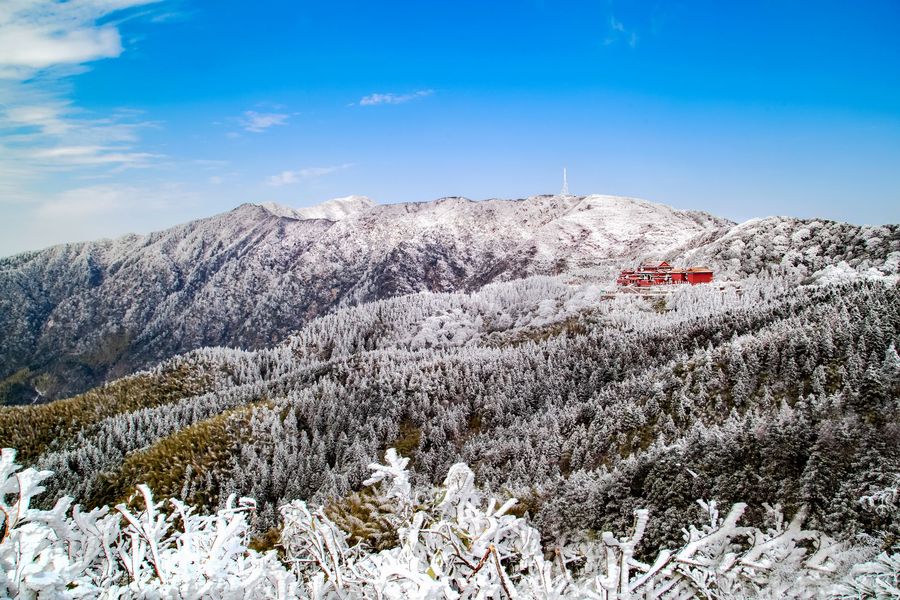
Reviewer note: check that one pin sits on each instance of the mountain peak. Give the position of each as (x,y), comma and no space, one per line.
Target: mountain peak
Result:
(331,210)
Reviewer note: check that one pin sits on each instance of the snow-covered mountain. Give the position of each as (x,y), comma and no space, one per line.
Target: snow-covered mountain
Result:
(74,315)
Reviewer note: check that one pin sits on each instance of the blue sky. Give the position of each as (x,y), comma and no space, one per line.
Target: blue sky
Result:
(134,115)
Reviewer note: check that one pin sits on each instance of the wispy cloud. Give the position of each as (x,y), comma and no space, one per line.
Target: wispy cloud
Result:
(257,122)
(57,136)
(376,99)
(75,156)
(47,119)
(617,32)
(291,177)
(58,119)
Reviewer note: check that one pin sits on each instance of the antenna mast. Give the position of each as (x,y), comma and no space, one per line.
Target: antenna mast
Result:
(565,188)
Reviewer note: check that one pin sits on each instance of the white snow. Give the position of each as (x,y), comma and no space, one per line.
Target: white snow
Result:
(603,226)
(332,210)
(843,272)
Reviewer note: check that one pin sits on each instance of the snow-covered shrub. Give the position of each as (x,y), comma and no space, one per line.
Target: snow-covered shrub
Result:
(452,542)
(123,553)
(879,578)
(884,501)
(459,544)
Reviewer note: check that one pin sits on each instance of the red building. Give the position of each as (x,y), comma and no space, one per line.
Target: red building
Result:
(698,275)
(663,273)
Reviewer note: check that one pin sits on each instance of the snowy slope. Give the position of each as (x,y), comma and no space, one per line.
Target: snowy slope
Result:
(332,210)
(796,248)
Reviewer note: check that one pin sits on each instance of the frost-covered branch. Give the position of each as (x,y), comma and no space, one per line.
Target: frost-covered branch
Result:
(451,543)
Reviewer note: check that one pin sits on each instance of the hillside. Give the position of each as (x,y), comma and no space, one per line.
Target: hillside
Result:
(76,315)
(794,248)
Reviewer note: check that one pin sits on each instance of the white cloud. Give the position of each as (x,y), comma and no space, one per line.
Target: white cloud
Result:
(375,99)
(290,177)
(38,47)
(258,122)
(39,34)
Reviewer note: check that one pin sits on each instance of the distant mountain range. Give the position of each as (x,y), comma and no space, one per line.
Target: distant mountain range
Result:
(75,315)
